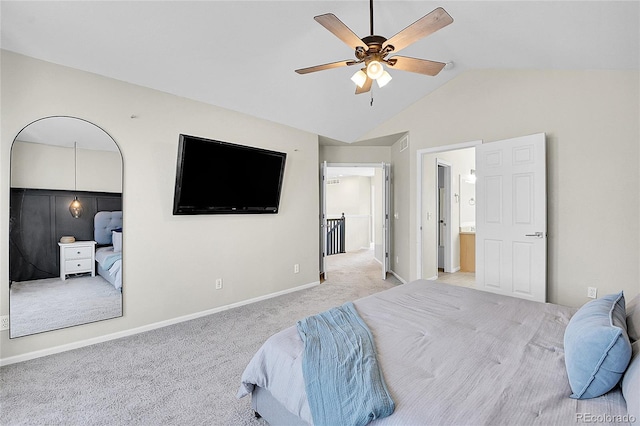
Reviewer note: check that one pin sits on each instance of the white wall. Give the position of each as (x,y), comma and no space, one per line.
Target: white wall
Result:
(41,166)
(591,119)
(352,196)
(354,154)
(170,262)
(467,200)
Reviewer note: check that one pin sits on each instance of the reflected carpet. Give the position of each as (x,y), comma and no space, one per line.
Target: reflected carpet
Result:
(49,304)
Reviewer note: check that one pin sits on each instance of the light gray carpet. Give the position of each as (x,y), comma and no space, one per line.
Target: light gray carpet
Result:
(50,304)
(184,374)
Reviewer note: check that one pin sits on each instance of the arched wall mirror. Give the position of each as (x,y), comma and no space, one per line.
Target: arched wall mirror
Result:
(65,260)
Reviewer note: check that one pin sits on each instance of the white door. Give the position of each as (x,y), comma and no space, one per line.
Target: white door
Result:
(386,205)
(511,217)
(443,201)
(442,217)
(323,217)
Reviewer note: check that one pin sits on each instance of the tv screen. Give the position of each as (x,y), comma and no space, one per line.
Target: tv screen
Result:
(215,177)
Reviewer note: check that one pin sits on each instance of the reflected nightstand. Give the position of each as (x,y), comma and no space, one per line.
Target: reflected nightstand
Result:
(76,258)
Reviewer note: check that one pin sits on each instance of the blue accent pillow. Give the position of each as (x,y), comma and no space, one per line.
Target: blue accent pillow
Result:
(596,347)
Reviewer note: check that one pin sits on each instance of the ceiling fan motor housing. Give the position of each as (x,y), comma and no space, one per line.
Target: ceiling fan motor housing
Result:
(374,45)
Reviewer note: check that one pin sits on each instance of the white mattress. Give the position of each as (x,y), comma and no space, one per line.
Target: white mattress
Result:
(451,355)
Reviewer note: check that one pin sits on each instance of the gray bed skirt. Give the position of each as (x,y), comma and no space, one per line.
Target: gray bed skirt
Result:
(267,407)
(111,279)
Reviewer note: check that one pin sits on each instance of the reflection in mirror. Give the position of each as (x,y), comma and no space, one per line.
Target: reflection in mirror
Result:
(65,226)
(468,202)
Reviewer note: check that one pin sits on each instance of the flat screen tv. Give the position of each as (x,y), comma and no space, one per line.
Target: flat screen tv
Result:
(215,177)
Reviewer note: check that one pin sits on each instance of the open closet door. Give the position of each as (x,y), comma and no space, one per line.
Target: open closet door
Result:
(323,218)
(511,217)
(386,234)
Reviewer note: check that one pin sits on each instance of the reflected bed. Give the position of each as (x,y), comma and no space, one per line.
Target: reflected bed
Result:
(108,234)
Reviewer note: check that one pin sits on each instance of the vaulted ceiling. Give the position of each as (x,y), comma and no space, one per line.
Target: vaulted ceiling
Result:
(241,55)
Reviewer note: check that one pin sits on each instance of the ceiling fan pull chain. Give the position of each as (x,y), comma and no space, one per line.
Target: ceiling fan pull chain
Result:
(371,103)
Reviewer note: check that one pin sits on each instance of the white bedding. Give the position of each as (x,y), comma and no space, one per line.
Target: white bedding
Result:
(451,355)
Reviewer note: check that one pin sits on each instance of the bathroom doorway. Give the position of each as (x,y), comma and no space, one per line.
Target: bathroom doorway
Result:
(442,217)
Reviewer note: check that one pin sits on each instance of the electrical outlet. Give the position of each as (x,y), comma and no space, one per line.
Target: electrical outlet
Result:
(218,283)
(4,322)
(592,292)
(296,268)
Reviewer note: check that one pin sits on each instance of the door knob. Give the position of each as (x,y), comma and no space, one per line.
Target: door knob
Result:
(536,234)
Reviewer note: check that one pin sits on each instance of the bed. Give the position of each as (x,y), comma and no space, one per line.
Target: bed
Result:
(452,355)
(107,232)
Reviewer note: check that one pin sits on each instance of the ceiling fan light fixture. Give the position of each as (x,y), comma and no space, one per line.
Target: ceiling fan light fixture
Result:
(359,78)
(383,79)
(374,70)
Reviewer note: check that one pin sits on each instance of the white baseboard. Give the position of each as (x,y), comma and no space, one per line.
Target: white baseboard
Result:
(398,277)
(107,337)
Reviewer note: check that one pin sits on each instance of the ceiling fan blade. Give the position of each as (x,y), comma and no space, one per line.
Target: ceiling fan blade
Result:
(325,66)
(421,66)
(424,26)
(339,29)
(365,87)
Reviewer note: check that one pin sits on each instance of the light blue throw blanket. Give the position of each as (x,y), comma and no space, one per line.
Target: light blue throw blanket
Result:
(342,377)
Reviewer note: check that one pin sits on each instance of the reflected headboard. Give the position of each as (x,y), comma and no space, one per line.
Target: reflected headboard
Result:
(103,224)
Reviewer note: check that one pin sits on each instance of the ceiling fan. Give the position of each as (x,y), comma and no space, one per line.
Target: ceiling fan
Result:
(372,50)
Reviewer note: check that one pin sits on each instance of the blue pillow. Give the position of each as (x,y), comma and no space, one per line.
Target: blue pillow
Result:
(596,347)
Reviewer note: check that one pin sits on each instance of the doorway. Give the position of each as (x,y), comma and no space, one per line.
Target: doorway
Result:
(511,214)
(443,220)
(359,194)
